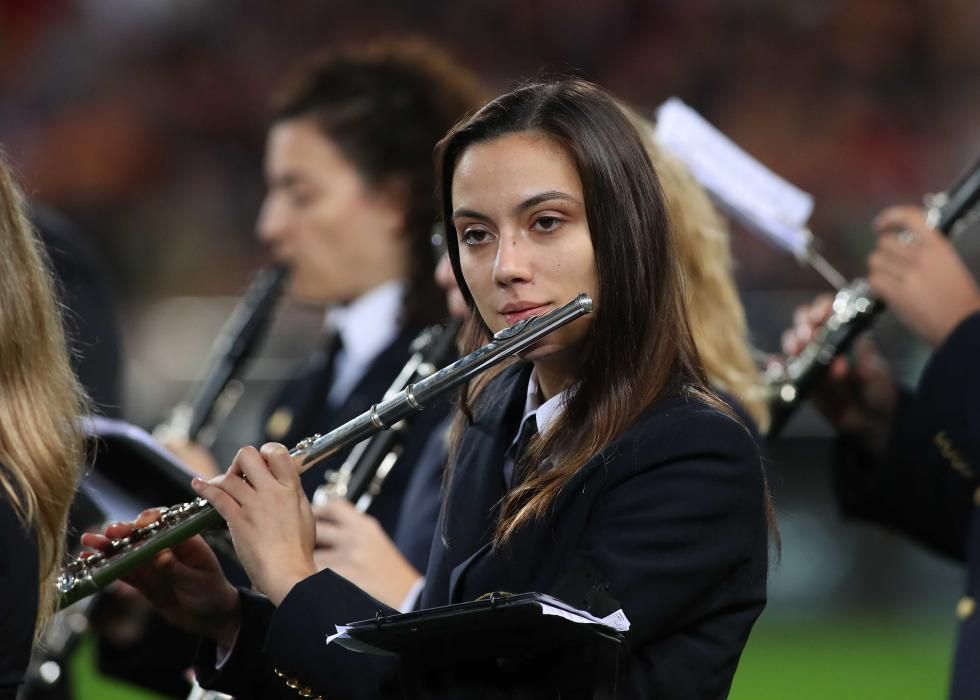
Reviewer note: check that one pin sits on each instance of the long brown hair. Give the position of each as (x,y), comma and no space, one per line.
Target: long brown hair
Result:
(385,105)
(40,398)
(640,344)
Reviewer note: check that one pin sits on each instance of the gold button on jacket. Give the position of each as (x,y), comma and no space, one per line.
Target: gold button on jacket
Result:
(965,608)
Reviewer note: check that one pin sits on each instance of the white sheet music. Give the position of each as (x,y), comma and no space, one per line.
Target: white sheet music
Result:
(617,620)
(749,192)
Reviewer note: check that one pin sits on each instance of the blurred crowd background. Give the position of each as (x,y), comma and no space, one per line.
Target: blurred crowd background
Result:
(143,121)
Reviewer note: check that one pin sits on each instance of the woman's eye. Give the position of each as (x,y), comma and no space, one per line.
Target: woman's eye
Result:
(302,198)
(475,236)
(547,223)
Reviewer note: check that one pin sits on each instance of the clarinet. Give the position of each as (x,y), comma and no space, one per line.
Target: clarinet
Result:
(196,417)
(85,576)
(854,309)
(363,473)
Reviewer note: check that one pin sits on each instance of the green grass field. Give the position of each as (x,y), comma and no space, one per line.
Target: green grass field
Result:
(833,659)
(841,659)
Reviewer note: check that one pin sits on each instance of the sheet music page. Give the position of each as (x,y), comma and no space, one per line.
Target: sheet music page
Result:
(748,191)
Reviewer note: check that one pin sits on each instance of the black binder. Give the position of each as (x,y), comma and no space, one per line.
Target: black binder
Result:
(128,471)
(495,625)
(501,645)
(125,472)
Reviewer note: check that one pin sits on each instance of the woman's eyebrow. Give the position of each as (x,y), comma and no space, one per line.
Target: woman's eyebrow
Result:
(528,203)
(470,214)
(543,197)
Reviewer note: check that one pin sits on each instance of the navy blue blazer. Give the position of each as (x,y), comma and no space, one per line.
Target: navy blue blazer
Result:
(422,499)
(669,522)
(926,485)
(19,598)
(301,409)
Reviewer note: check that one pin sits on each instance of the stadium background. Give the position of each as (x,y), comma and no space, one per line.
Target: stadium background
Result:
(143,121)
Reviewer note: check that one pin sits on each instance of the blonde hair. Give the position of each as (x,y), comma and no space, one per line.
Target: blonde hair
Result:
(40,398)
(716,312)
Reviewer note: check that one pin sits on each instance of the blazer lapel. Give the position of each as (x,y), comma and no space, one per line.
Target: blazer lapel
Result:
(478,482)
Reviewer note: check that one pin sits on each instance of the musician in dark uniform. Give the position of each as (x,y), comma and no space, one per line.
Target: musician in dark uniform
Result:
(350,210)
(911,460)
(358,550)
(40,440)
(600,468)
(389,567)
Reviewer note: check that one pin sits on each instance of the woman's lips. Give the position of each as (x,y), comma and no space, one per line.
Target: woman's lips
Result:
(513,317)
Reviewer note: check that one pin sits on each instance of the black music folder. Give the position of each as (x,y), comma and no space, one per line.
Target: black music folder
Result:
(128,471)
(530,644)
(526,621)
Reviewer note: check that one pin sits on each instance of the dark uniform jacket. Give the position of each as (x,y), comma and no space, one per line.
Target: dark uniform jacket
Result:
(669,522)
(926,485)
(19,598)
(301,410)
(420,506)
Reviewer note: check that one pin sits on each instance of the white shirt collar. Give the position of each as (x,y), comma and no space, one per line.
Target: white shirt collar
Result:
(366,326)
(544,413)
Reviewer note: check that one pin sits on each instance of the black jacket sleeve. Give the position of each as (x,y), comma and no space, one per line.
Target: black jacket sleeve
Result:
(280,650)
(924,485)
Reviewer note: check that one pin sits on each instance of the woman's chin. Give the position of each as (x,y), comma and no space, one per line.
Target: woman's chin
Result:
(543,351)
(307,293)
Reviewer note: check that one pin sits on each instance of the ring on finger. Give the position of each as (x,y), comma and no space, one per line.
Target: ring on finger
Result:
(907,238)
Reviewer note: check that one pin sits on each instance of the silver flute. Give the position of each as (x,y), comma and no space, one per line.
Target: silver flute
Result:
(85,576)
(362,475)
(854,308)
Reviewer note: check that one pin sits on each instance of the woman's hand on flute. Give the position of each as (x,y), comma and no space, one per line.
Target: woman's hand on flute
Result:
(184,583)
(269,517)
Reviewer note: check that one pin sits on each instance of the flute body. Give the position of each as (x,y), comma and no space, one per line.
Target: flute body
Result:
(86,576)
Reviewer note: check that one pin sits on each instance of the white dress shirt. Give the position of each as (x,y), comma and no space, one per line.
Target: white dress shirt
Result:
(545,413)
(366,326)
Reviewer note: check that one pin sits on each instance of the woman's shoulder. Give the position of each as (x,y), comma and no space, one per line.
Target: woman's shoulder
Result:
(19,583)
(690,425)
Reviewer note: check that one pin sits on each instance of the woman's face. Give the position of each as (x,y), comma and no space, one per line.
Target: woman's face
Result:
(524,241)
(340,237)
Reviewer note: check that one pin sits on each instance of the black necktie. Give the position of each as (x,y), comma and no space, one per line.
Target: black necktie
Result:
(528,431)
(313,407)
(331,349)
